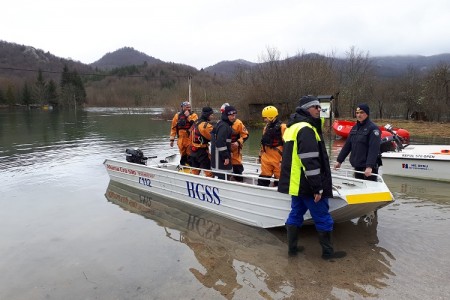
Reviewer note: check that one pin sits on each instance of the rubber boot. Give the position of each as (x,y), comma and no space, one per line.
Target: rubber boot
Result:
(263,182)
(327,247)
(292,236)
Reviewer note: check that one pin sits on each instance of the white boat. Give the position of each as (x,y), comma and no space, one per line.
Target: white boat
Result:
(245,202)
(418,161)
(415,161)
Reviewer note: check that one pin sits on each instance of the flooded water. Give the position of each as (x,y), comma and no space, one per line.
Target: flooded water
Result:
(67,232)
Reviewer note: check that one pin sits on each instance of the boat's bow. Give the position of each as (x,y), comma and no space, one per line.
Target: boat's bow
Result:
(362,197)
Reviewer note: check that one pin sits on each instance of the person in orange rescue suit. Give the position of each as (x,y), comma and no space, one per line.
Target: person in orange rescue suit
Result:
(271,146)
(181,124)
(200,138)
(306,176)
(238,137)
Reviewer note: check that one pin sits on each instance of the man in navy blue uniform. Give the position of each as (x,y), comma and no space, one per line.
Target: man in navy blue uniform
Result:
(364,144)
(221,143)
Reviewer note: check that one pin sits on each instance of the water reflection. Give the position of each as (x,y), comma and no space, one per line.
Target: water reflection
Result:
(426,191)
(216,244)
(238,259)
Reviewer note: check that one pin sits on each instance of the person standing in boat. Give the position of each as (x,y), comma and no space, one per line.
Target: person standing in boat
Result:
(181,124)
(271,145)
(363,144)
(306,176)
(221,142)
(238,137)
(200,137)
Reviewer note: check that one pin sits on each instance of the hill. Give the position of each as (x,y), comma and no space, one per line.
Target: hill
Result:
(125,56)
(392,66)
(20,61)
(22,58)
(229,68)
(385,66)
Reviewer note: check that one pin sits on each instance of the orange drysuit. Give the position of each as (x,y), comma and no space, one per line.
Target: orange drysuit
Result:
(271,151)
(181,125)
(238,137)
(200,138)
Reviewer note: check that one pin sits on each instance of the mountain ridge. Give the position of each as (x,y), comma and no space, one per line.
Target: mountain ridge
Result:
(27,56)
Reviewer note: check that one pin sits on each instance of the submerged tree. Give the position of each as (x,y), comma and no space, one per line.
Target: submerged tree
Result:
(73,93)
(40,89)
(10,98)
(26,95)
(52,94)
(2,98)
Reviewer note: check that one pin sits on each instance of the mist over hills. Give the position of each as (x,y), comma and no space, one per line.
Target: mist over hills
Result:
(385,66)
(28,57)
(391,66)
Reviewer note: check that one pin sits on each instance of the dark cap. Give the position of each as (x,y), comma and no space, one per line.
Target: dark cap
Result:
(308,101)
(364,107)
(207,111)
(230,110)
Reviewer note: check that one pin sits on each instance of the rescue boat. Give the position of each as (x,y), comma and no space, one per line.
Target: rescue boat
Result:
(245,202)
(342,128)
(430,162)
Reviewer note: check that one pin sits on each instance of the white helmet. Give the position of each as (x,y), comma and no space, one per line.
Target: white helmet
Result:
(222,108)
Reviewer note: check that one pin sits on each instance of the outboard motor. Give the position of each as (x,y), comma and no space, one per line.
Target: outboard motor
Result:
(393,142)
(388,144)
(136,156)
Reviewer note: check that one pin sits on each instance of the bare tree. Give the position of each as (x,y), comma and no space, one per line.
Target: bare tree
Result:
(356,81)
(436,97)
(409,94)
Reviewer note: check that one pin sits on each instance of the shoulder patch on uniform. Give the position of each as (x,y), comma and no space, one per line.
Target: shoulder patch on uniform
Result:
(376,132)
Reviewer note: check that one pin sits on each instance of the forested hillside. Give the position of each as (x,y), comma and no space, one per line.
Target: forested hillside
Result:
(394,87)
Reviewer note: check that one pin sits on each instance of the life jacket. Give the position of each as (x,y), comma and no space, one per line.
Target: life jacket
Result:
(234,136)
(183,123)
(198,140)
(272,135)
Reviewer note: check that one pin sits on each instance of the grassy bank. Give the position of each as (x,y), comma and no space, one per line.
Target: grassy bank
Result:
(419,128)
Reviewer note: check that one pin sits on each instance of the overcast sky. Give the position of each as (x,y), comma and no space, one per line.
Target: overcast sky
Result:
(202,33)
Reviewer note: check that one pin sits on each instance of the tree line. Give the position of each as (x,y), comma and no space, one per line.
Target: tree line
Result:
(352,80)
(69,93)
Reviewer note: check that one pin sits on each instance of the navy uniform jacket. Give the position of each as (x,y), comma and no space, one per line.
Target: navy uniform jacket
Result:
(221,144)
(364,144)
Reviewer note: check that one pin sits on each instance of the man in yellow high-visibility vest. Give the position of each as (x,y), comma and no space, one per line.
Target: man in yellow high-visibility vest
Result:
(306,176)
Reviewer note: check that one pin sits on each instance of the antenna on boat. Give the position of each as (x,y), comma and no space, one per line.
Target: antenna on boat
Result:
(190,91)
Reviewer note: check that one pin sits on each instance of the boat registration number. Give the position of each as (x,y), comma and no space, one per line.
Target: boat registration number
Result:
(418,155)
(145,181)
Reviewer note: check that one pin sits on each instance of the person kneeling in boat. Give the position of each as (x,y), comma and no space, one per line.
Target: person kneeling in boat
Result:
(306,176)
(181,124)
(200,137)
(221,143)
(364,144)
(271,146)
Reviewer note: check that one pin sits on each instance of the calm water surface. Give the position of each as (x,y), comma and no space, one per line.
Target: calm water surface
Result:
(66,232)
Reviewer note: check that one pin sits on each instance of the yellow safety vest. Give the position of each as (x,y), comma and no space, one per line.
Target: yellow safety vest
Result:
(290,134)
